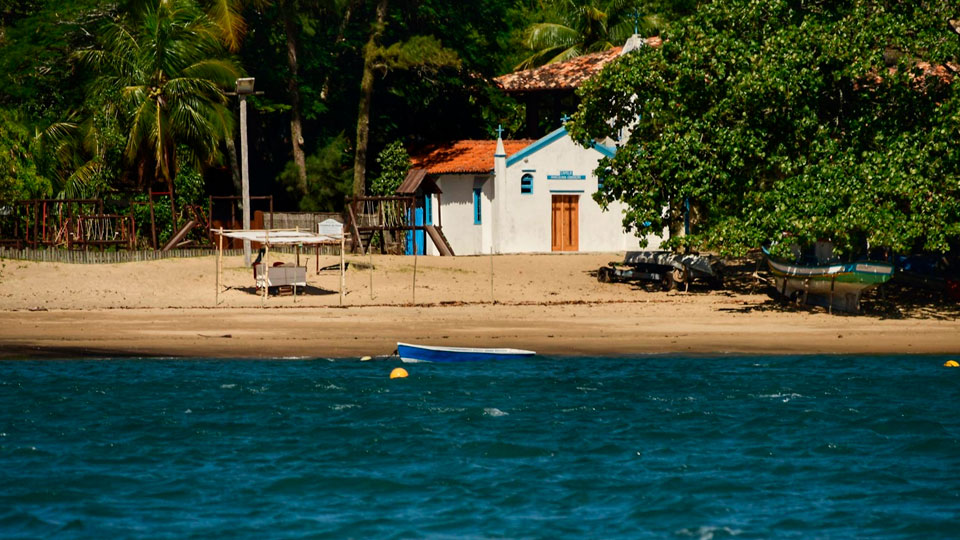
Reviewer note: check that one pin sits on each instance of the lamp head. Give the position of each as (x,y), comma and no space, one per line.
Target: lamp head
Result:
(245,85)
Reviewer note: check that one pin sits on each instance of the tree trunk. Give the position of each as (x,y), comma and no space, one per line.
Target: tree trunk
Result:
(293,87)
(234,165)
(341,35)
(170,157)
(366,95)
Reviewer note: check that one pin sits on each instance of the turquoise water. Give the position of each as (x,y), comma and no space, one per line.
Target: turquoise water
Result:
(649,447)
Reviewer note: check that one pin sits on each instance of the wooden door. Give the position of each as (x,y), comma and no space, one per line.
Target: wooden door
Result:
(565,223)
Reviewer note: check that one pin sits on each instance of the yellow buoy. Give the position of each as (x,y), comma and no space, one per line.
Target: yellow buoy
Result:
(951,363)
(398,373)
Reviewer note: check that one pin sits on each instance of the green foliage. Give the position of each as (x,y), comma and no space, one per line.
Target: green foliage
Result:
(813,120)
(19,178)
(329,177)
(418,53)
(36,41)
(143,92)
(189,191)
(575,27)
(394,163)
(83,155)
(168,65)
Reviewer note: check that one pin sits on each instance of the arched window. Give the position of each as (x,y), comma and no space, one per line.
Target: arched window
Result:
(526,184)
(477,216)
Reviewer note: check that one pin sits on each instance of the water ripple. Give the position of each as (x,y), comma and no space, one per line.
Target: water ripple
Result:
(647,447)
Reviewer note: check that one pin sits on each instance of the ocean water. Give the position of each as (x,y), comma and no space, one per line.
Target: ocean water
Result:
(643,447)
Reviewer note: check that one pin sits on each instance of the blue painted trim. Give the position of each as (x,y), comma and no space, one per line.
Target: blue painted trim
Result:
(436,354)
(529,170)
(537,146)
(477,216)
(566,191)
(547,140)
(607,151)
(528,185)
(499,155)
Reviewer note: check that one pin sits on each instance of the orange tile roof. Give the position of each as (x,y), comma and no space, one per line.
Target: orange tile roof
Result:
(562,75)
(463,157)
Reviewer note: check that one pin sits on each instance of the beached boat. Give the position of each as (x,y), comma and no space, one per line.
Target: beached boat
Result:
(672,270)
(427,353)
(836,285)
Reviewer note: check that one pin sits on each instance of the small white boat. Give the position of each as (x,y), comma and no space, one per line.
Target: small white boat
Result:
(427,353)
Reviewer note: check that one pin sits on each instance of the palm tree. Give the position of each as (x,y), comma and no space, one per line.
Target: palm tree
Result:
(167,64)
(578,27)
(74,154)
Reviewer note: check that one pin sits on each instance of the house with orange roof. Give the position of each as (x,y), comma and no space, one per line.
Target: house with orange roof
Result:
(522,195)
(549,91)
(518,196)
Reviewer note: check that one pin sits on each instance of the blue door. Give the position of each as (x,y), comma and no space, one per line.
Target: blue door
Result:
(423,215)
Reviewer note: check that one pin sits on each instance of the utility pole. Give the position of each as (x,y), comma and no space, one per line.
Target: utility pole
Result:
(244,89)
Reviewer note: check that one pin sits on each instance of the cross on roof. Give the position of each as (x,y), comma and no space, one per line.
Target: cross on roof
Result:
(500,131)
(564,119)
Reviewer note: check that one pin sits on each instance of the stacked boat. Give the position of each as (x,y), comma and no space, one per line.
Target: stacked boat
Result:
(835,285)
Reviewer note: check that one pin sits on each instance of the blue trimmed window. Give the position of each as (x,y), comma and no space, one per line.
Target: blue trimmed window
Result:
(477,216)
(526,184)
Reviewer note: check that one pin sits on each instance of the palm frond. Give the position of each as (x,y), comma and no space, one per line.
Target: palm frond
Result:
(77,185)
(538,58)
(141,130)
(549,35)
(565,55)
(221,71)
(227,16)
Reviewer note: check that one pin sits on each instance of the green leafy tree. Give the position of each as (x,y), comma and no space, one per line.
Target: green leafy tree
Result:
(815,120)
(19,178)
(168,65)
(329,177)
(394,162)
(297,18)
(422,53)
(190,191)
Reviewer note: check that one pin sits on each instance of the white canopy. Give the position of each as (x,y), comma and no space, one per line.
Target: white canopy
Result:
(277,237)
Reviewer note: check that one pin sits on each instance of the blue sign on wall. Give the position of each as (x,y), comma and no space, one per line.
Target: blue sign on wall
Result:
(566,175)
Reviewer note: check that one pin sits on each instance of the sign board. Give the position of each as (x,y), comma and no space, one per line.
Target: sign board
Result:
(331,228)
(566,175)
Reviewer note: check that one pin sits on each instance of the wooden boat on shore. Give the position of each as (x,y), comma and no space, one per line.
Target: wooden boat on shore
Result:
(835,285)
(427,353)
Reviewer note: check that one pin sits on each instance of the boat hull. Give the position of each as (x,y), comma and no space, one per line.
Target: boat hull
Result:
(840,285)
(424,353)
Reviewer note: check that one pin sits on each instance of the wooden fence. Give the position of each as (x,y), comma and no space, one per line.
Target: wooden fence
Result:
(110,257)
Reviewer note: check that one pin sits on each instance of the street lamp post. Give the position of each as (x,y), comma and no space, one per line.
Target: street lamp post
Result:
(244,89)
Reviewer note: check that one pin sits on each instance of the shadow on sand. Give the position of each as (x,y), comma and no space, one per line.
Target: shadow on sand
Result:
(749,276)
(309,290)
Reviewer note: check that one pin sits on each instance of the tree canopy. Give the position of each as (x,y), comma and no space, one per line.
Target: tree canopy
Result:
(813,120)
(833,120)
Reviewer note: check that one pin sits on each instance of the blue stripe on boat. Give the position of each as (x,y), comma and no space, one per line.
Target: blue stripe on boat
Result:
(424,353)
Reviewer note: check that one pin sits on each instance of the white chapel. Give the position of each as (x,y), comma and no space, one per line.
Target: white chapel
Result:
(521,196)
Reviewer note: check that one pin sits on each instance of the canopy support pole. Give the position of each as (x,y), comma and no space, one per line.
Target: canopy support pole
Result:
(219,266)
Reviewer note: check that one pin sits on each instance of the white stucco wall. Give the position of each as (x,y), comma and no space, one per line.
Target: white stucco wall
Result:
(526,223)
(528,218)
(456,205)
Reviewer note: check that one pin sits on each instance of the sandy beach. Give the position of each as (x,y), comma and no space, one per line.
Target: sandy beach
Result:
(549,303)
